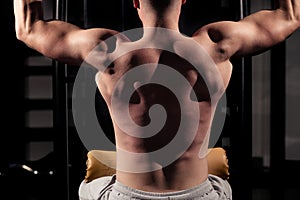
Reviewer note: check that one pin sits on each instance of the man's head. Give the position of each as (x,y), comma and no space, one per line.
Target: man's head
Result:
(158,7)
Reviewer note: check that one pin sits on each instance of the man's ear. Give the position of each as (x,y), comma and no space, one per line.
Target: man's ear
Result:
(136,3)
(183,2)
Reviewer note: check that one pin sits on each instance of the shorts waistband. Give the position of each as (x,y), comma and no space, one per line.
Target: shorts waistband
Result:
(201,190)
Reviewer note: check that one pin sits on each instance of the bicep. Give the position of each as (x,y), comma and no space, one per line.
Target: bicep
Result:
(237,38)
(246,38)
(254,34)
(65,42)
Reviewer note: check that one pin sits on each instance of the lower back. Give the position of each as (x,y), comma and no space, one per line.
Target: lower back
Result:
(185,173)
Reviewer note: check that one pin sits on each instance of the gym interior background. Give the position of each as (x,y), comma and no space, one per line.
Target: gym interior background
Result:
(261,132)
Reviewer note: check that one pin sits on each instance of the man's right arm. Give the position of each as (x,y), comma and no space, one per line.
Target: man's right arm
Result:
(55,39)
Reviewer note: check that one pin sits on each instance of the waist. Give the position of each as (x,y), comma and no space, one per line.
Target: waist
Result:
(189,193)
(182,174)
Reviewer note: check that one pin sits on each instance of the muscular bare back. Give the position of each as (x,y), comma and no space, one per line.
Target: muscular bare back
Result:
(161,94)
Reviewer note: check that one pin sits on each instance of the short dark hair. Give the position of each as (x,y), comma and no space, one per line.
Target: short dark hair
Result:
(160,5)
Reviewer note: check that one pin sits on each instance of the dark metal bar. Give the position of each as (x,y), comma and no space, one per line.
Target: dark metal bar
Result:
(60,121)
(277,143)
(123,16)
(60,9)
(85,15)
(242,139)
(277,127)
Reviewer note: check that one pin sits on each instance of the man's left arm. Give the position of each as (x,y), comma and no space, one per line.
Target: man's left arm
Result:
(270,27)
(255,33)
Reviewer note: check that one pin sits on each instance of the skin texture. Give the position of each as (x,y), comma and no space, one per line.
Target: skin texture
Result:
(220,41)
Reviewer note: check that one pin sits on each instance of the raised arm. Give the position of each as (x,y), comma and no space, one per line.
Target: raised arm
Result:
(55,39)
(255,33)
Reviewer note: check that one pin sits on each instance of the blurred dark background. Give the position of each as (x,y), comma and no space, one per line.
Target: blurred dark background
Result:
(43,157)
